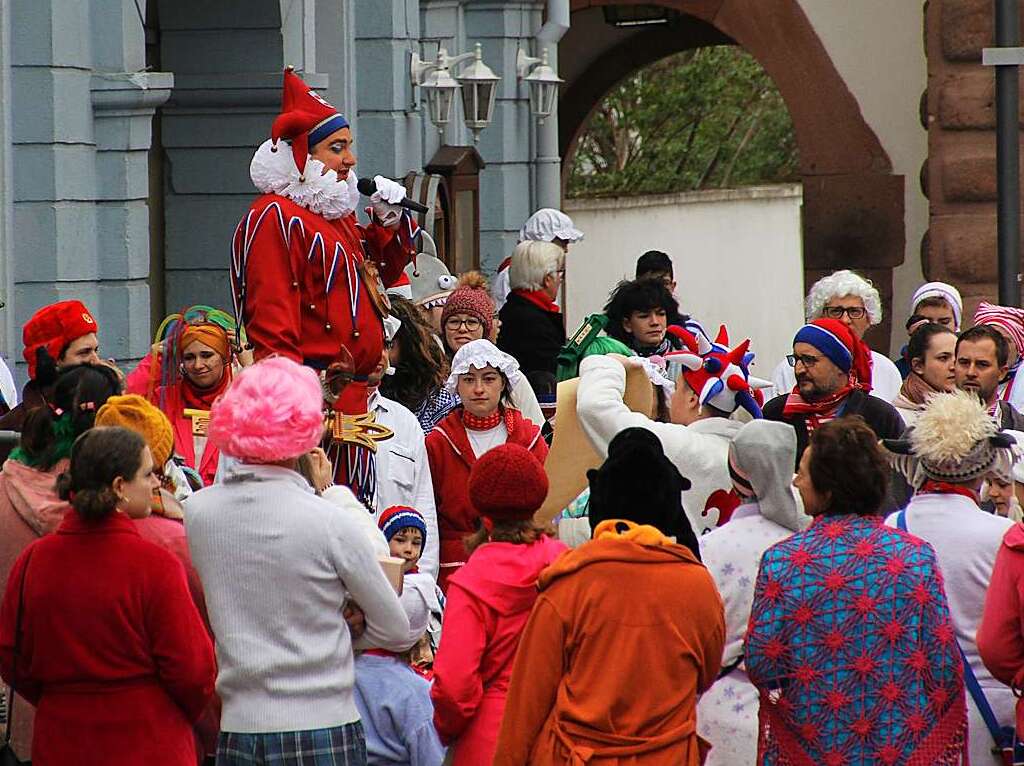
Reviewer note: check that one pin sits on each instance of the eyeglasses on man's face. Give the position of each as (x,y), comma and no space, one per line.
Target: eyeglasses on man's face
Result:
(836,312)
(470,323)
(807,360)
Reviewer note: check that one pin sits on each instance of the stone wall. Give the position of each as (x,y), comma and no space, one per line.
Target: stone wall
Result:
(959,177)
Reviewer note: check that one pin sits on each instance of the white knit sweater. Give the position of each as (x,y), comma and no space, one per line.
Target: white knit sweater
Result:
(277,564)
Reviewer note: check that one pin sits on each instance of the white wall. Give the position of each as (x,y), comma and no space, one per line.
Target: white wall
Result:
(736,252)
(878,49)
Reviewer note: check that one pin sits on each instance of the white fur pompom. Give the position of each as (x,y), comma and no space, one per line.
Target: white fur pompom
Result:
(950,427)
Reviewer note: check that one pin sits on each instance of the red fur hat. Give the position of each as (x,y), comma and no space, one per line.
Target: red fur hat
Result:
(306,118)
(53,327)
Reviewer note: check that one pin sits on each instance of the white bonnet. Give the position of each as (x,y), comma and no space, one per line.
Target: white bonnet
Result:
(479,354)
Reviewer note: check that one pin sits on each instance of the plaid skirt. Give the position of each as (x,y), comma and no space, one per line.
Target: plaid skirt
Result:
(337,746)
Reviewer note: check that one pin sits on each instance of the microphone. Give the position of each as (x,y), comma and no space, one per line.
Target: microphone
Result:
(367,188)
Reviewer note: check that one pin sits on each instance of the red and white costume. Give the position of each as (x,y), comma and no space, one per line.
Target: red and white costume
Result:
(298,253)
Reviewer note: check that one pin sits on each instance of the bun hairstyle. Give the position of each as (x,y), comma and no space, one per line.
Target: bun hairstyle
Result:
(78,392)
(639,484)
(98,457)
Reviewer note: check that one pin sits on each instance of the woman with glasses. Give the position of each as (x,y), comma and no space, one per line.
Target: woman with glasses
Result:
(469,315)
(192,367)
(532,326)
(483,377)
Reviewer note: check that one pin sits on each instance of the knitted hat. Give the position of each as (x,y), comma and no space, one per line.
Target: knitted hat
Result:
(719,375)
(547,225)
(1005,317)
(399,517)
(471,297)
(947,292)
(953,440)
(840,346)
(136,414)
(306,118)
(52,328)
(507,484)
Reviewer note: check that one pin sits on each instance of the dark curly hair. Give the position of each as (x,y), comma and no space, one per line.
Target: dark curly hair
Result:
(644,294)
(98,457)
(848,466)
(422,364)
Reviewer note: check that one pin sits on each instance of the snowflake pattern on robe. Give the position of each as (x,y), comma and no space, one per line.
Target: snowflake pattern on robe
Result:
(852,648)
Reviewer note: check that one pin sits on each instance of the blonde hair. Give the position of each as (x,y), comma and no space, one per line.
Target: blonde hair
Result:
(531,262)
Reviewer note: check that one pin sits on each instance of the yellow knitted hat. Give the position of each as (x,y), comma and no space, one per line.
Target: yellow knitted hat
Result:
(137,414)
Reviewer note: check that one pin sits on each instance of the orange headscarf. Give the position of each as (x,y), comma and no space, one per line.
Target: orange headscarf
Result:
(209,335)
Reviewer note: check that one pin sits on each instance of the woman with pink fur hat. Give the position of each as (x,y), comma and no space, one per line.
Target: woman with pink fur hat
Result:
(277,563)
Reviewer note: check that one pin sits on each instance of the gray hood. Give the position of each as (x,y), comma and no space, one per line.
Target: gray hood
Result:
(765,451)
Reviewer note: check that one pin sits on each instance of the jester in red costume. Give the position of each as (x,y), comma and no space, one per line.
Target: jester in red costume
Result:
(307,279)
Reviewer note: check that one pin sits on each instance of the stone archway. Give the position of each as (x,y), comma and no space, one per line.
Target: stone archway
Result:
(853,213)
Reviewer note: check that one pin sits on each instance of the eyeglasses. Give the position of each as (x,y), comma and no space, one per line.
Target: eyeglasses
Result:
(471,324)
(836,312)
(805,359)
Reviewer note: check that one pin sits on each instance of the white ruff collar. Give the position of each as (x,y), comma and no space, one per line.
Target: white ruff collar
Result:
(273,171)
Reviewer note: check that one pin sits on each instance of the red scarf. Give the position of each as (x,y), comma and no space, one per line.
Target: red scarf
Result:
(932,487)
(196,398)
(539,298)
(817,413)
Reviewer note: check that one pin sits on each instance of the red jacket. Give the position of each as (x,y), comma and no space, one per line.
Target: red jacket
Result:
(107,617)
(451,457)
(1000,636)
(489,601)
(294,276)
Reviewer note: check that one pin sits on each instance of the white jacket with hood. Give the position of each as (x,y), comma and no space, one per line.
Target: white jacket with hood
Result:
(700,450)
(765,452)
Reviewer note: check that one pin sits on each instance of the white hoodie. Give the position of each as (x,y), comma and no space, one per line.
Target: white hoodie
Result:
(700,451)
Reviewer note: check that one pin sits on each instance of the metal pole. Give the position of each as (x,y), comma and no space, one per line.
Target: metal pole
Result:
(1008,155)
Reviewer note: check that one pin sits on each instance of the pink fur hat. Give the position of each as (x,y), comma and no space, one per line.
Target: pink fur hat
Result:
(270,412)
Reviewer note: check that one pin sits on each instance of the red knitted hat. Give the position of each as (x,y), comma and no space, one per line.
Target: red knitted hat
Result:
(508,484)
(53,327)
(471,297)
(306,118)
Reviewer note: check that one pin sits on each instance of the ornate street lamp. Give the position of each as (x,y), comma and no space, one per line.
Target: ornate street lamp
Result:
(543,82)
(478,86)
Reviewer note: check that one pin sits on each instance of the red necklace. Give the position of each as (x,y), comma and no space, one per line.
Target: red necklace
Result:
(475,423)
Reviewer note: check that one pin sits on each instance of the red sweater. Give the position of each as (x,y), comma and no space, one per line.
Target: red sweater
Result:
(451,457)
(107,615)
(1000,636)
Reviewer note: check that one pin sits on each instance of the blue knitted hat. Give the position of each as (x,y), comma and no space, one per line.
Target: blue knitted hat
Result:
(828,343)
(399,517)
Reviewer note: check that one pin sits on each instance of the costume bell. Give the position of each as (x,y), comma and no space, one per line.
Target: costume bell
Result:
(305,276)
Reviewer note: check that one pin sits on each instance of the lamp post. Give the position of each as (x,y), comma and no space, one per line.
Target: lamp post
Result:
(1006,57)
(543,82)
(477,86)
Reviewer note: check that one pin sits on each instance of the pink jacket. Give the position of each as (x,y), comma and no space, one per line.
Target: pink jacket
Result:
(489,601)
(1000,636)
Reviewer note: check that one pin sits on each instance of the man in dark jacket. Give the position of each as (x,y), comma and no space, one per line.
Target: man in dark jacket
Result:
(832,367)
(532,327)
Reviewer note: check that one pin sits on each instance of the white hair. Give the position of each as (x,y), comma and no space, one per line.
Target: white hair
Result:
(840,283)
(531,262)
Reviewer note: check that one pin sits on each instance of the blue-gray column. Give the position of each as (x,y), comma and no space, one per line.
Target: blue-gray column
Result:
(388,139)
(507,145)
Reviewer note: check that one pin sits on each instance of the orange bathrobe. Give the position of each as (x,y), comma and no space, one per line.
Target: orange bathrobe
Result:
(627,631)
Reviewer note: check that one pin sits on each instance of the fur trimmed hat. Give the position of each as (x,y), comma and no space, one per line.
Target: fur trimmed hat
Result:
(953,440)
(507,484)
(53,328)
